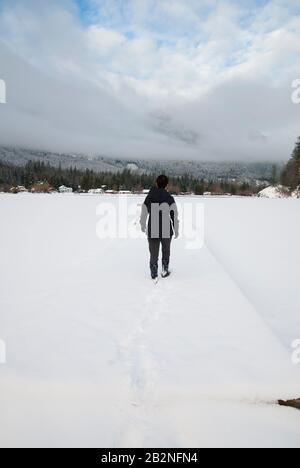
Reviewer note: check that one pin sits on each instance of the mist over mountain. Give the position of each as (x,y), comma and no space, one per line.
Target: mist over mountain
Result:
(207,170)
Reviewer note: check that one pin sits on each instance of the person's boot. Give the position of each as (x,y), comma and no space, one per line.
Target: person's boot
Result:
(154,270)
(165,271)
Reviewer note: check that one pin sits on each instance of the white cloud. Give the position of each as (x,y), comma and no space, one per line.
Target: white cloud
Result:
(202,64)
(105,41)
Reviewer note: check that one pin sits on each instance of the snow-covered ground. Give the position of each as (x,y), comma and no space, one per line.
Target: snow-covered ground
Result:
(277,191)
(97,355)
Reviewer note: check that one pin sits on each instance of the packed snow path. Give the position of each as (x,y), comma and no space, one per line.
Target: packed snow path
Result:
(99,356)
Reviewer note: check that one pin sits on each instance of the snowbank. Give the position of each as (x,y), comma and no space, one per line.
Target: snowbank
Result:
(278,191)
(257,242)
(296,193)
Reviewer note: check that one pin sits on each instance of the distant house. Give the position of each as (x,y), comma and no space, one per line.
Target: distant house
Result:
(110,192)
(207,194)
(18,189)
(41,187)
(98,191)
(64,189)
(124,192)
(22,189)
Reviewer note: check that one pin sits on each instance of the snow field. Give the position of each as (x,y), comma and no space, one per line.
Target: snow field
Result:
(99,356)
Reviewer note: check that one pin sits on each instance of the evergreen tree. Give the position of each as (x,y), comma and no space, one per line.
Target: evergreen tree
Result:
(36,173)
(296,152)
(274,174)
(291,174)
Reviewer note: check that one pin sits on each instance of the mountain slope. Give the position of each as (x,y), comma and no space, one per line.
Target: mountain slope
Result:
(249,172)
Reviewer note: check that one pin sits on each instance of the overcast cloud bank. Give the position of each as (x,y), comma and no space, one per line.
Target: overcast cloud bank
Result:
(151,79)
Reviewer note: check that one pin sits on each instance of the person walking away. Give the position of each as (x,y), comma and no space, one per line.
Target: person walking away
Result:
(160,210)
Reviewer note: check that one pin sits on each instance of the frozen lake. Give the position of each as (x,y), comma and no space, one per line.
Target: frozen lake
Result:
(99,356)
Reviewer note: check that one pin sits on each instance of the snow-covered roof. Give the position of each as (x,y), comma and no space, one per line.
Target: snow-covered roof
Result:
(65,189)
(96,191)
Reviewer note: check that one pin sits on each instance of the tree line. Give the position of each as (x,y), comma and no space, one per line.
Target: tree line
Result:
(51,178)
(290,176)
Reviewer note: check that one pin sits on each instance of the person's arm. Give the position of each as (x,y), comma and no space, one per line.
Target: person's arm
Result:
(144,215)
(175,218)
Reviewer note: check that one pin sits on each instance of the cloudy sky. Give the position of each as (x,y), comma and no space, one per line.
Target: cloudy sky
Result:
(189,79)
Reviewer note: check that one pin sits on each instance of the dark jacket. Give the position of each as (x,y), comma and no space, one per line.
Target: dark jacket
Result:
(161,209)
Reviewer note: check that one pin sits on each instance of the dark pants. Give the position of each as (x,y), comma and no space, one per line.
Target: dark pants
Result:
(154,245)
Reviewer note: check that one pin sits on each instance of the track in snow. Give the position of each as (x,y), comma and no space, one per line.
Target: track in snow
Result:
(213,346)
